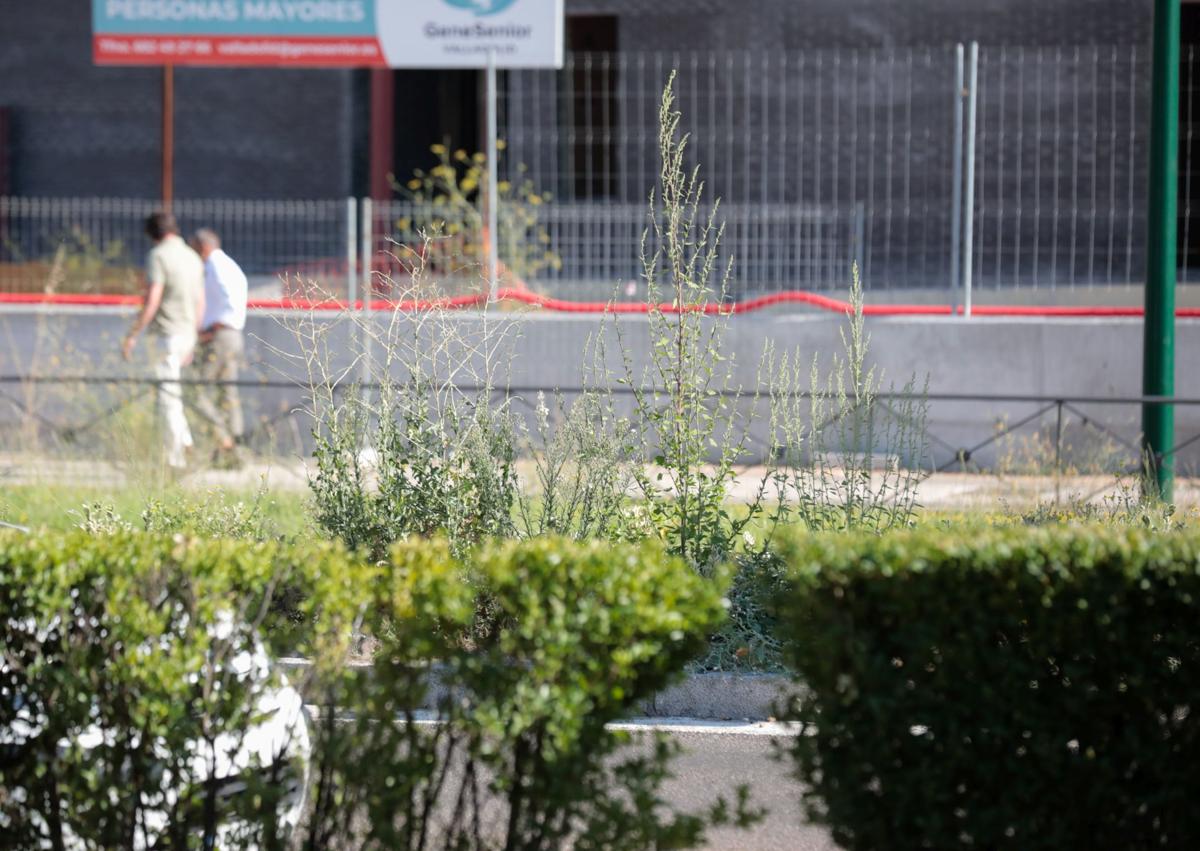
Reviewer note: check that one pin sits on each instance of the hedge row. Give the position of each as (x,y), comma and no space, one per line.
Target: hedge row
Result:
(1025,688)
(139,708)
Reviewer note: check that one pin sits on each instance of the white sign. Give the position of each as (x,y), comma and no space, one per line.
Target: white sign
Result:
(461,33)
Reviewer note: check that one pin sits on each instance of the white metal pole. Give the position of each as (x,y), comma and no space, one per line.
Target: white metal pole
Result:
(351,252)
(956,191)
(969,206)
(492,241)
(366,228)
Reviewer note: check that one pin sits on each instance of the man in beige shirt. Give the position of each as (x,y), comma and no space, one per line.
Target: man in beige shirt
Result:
(172,309)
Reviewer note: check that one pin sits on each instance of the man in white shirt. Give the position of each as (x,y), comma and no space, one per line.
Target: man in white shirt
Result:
(221,343)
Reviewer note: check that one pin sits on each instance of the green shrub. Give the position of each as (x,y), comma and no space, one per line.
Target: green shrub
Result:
(212,515)
(133,680)
(1025,688)
(538,645)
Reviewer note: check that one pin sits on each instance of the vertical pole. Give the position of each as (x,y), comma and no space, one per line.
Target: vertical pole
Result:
(168,136)
(969,205)
(956,191)
(351,253)
(860,235)
(1058,433)
(492,241)
(383,121)
(366,228)
(1158,360)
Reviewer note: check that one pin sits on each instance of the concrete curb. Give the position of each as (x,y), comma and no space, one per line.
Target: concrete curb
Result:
(707,696)
(723,697)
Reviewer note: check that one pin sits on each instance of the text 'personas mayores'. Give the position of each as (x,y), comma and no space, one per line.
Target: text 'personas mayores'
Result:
(229,11)
(477,30)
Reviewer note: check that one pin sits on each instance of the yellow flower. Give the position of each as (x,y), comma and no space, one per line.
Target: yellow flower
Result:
(414,184)
(502,186)
(534,200)
(460,155)
(479,158)
(468,184)
(440,150)
(501,144)
(404,224)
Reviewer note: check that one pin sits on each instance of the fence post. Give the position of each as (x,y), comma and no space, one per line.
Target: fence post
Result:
(492,242)
(351,252)
(969,205)
(859,250)
(366,228)
(956,190)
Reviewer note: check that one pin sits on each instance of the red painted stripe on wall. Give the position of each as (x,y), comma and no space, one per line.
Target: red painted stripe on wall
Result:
(825,303)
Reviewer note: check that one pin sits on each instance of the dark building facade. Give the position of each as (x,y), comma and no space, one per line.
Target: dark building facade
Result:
(72,129)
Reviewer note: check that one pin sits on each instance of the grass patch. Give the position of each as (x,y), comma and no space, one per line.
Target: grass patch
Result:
(284,514)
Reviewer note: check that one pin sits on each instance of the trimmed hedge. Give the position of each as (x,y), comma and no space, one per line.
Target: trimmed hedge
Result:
(998,687)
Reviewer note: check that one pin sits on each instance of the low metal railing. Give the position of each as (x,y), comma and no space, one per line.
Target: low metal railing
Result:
(1047,435)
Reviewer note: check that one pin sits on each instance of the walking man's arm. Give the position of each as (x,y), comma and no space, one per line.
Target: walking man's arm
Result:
(154,294)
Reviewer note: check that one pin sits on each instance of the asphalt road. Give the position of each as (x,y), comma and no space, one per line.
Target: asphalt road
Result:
(716,759)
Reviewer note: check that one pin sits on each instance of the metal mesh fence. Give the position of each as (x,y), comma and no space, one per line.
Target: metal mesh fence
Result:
(820,157)
(593,251)
(1060,149)
(97,244)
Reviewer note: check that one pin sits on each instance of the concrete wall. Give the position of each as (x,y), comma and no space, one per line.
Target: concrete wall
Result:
(1074,358)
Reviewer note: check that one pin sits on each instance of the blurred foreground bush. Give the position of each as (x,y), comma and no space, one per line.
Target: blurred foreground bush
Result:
(537,646)
(998,687)
(138,707)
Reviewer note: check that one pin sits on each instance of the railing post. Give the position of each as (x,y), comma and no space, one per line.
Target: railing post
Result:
(1058,432)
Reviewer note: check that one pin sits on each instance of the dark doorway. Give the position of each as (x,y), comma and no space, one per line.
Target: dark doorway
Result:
(592,107)
(1188,238)
(434,107)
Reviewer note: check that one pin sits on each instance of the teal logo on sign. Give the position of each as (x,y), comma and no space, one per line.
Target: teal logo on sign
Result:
(481,7)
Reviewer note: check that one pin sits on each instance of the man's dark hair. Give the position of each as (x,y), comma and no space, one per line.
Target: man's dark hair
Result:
(160,224)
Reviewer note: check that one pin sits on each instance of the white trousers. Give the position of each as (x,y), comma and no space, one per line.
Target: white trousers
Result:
(171,353)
